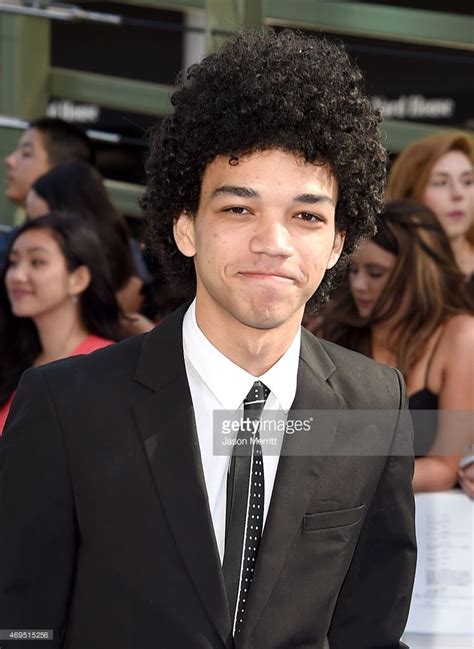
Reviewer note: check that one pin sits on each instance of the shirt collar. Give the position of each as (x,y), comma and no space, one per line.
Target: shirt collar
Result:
(211,365)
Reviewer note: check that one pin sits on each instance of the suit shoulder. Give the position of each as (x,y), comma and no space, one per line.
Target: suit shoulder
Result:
(361,380)
(341,355)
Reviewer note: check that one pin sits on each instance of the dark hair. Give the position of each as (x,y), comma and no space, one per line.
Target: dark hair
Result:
(77,187)
(425,271)
(265,90)
(99,310)
(64,142)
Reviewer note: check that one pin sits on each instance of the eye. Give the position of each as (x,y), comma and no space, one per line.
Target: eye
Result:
(236,209)
(376,275)
(439,183)
(308,217)
(468,182)
(352,269)
(37,262)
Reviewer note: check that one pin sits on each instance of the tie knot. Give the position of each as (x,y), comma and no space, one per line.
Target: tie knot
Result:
(257,396)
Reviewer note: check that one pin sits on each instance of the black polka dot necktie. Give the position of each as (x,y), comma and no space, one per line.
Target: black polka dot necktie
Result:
(245,499)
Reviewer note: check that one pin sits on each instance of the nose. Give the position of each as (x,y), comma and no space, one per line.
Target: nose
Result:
(271,237)
(16,274)
(458,190)
(358,282)
(10,159)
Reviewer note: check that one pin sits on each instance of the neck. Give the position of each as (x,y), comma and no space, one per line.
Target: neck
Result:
(381,335)
(60,331)
(254,350)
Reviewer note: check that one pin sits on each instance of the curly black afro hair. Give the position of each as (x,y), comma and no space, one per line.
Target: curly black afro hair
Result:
(265,90)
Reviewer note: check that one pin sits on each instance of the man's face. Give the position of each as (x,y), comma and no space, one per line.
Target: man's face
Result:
(262,239)
(25,165)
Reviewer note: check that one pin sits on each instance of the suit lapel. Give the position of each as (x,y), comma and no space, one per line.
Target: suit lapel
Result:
(165,419)
(300,464)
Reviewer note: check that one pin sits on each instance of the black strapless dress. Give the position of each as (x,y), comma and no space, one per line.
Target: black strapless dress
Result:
(423,406)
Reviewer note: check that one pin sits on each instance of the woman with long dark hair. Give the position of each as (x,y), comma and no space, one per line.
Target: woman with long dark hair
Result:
(405,304)
(77,187)
(56,299)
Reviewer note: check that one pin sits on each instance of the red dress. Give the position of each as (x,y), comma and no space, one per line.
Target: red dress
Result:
(88,345)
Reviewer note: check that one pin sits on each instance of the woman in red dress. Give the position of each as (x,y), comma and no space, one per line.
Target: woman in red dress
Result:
(56,299)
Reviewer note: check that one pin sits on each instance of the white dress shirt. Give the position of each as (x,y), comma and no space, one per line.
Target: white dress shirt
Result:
(216,383)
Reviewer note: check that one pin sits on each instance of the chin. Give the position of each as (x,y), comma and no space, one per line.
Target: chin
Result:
(21,313)
(267,316)
(11,195)
(456,230)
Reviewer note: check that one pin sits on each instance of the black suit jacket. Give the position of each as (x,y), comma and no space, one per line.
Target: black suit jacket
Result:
(106,534)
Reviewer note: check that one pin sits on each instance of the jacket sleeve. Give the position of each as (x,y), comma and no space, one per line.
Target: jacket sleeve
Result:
(374,600)
(38,530)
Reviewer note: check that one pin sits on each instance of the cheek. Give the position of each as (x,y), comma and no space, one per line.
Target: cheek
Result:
(51,280)
(315,258)
(32,169)
(25,177)
(434,199)
(216,250)
(378,285)
(8,278)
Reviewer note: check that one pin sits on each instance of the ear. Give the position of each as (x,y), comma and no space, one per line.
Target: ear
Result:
(185,234)
(79,280)
(337,247)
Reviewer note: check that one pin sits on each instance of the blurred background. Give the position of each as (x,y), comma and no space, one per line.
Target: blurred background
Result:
(108,67)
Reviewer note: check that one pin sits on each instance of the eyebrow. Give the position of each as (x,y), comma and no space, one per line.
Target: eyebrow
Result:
(30,250)
(248,192)
(374,265)
(313,199)
(467,172)
(234,190)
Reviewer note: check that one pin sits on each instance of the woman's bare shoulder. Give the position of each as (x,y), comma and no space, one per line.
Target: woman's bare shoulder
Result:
(456,348)
(460,327)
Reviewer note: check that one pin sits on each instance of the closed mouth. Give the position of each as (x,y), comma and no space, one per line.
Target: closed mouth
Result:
(266,275)
(363,302)
(18,293)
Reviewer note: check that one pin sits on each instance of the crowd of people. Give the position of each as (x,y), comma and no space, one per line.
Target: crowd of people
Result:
(260,199)
(74,280)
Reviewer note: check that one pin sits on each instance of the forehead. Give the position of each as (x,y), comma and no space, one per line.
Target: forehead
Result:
(370,253)
(36,239)
(454,162)
(32,137)
(272,172)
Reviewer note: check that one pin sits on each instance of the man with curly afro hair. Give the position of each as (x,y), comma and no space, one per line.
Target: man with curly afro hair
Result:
(159,505)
